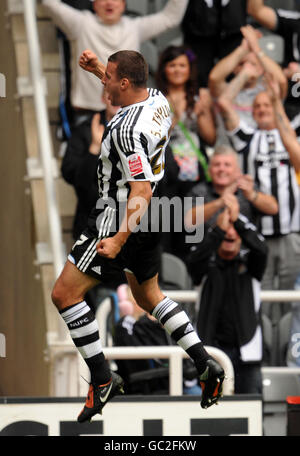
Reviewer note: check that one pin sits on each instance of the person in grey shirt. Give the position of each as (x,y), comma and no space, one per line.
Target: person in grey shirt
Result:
(106,31)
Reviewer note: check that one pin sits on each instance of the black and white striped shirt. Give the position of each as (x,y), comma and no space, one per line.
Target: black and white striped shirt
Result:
(133,146)
(266,159)
(288,26)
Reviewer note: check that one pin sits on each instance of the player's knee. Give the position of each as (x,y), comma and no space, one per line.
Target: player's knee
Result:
(57,296)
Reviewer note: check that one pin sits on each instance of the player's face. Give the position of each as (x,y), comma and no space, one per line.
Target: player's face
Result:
(177,71)
(224,170)
(263,112)
(112,84)
(110,109)
(110,11)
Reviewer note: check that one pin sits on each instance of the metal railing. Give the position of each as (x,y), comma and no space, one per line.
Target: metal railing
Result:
(175,356)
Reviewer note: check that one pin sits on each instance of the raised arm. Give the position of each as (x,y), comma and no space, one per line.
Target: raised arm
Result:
(268,64)
(264,15)
(218,75)
(154,24)
(205,117)
(228,112)
(244,76)
(67,18)
(287,133)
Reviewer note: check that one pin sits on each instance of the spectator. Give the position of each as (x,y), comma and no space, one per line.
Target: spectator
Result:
(271,154)
(227,183)
(79,164)
(212,30)
(247,63)
(106,32)
(286,24)
(229,315)
(192,120)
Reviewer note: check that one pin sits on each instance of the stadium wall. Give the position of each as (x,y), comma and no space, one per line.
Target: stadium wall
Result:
(23,369)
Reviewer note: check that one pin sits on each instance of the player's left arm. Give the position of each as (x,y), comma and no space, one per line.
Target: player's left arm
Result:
(138,201)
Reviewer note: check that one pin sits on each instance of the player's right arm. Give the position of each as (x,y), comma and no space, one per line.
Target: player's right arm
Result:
(138,201)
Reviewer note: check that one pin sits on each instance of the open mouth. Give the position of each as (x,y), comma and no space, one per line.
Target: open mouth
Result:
(228,240)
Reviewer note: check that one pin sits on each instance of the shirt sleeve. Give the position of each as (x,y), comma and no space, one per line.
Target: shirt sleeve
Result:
(68,19)
(255,242)
(288,22)
(133,152)
(170,16)
(241,136)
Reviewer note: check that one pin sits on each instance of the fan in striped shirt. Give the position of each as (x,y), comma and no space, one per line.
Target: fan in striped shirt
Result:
(131,162)
(271,153)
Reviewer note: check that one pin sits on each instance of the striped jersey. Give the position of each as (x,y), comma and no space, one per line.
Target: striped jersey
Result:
(133,146)
(266,159)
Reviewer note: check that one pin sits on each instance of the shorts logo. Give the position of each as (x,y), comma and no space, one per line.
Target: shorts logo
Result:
(135,164)
(97,269)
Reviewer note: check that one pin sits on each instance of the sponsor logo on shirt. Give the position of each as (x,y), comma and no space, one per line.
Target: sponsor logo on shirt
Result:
(135,165)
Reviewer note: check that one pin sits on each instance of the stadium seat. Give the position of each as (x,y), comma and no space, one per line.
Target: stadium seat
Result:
(174,276)
(149,51)
(137,7)
(273,46)
(174,272)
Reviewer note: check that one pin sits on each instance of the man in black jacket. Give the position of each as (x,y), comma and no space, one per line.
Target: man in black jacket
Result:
(230,274)
(211,28)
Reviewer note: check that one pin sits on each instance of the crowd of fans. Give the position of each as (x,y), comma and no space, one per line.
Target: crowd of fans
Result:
(234,142)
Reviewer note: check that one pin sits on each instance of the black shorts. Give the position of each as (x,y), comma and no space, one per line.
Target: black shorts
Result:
(140,255)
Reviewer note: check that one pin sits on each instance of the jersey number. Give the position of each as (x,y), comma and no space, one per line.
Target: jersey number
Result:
(158,167)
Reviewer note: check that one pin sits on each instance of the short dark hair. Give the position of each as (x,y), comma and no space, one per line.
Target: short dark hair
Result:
(131,65)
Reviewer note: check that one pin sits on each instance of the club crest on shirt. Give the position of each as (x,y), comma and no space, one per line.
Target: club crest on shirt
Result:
(135,164)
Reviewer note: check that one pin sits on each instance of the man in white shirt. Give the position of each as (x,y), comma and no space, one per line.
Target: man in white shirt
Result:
(106,32)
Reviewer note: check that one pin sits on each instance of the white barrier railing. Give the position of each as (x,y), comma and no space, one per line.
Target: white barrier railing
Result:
(272,296)
(175,355)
